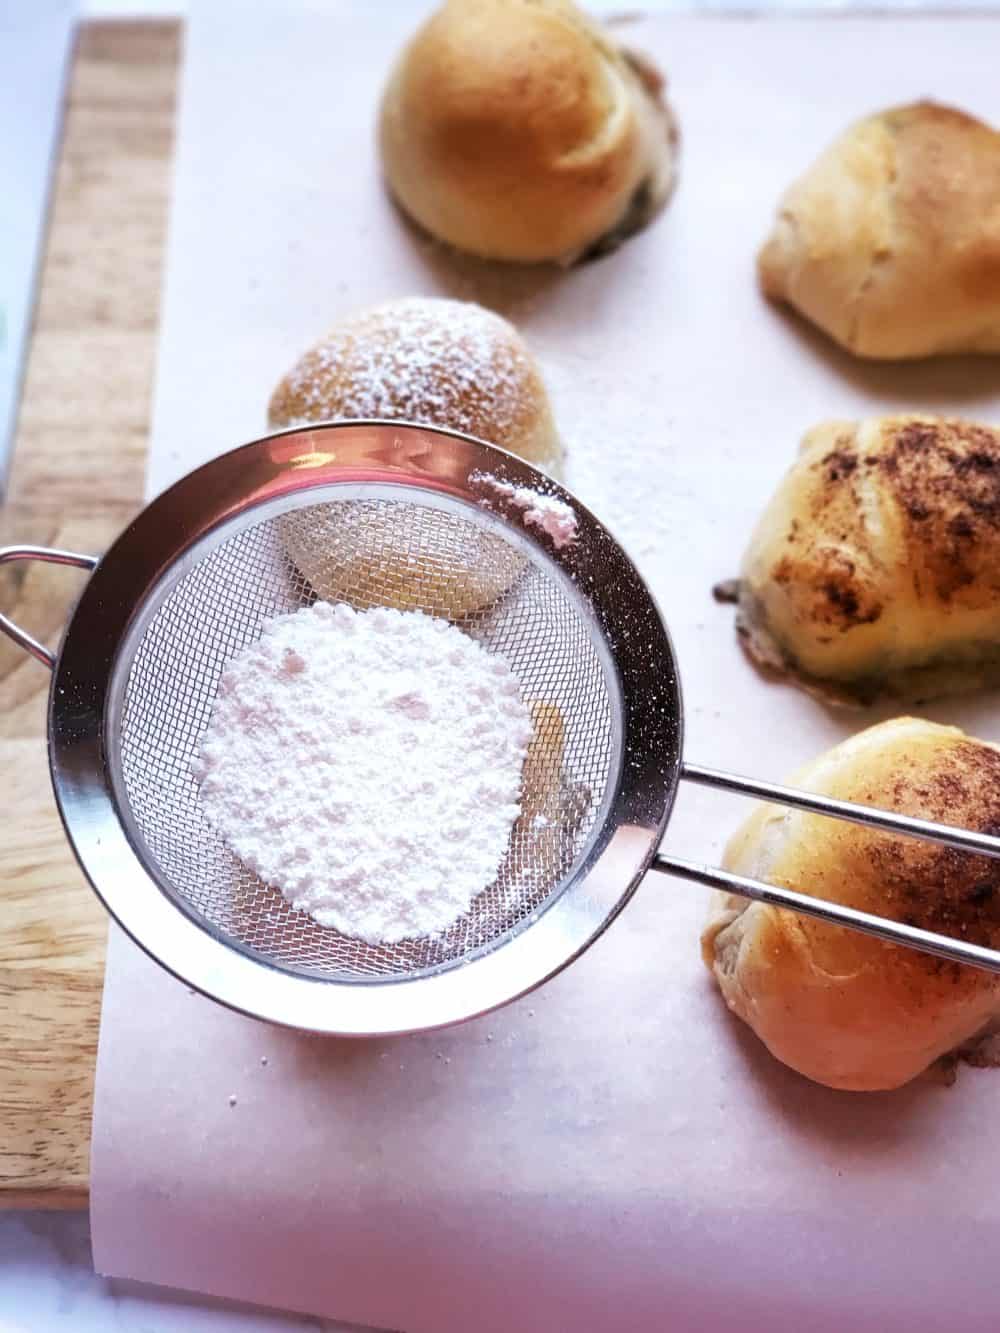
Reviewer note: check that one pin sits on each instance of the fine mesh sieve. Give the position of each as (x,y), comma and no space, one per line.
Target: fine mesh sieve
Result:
(383,514)
(377,551)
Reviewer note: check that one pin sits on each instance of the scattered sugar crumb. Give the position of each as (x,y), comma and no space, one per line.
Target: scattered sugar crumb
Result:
(554,516)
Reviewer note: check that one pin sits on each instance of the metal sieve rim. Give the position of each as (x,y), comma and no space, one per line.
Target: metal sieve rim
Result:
(265,512)
(256,478)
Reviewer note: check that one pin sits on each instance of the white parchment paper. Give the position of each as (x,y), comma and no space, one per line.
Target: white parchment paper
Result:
(614,1152)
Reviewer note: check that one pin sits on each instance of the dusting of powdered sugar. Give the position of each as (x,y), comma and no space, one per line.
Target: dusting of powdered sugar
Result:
(447,363)
(552,515)
(368,765)
(619,457)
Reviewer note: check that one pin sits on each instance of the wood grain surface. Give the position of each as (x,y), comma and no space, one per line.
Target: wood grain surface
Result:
(77,477)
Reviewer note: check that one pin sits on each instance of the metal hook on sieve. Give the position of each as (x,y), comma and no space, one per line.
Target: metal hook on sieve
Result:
(49,556)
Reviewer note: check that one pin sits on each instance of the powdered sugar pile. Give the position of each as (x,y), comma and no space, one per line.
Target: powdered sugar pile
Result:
(368,765)
(448,363)
(552,515)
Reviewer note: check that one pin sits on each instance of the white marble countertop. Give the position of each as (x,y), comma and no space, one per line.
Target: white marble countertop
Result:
(47,1282)
(46,1275)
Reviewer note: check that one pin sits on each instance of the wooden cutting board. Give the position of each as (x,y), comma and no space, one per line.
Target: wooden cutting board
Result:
(77,478)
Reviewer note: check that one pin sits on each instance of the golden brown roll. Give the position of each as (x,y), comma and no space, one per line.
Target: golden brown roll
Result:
(519,130)
(431,361)
(875,568)
(438,363)
(845,1009)
(891,241)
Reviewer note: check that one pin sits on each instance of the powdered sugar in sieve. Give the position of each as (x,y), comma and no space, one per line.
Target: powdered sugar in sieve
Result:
(367,764)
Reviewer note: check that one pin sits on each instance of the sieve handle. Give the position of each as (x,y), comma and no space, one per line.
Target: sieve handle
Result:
(49,556)
(894,932)
(964,840)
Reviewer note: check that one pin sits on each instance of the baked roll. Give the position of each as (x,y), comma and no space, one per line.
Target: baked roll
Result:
(848,1010)
(432,362)
(891,241)
(875,568)
(519,130)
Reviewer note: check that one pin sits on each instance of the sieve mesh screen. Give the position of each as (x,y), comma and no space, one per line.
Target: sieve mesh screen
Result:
(389,551)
